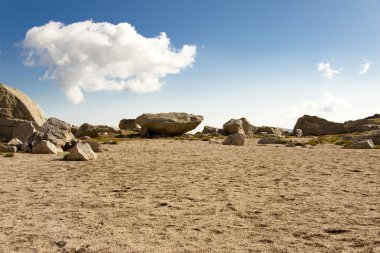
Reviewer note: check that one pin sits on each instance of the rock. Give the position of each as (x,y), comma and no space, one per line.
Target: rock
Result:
(45,147)
(221,131)
(8,149)
(297,132)
(248,128)
(74,130)
(16,143)
(169,124)
(95,146)
(272,140)
(277,132)
(56,131)
(23,131)
(61,244)
(234,139)
(81,152)
(347,137)
(233,126)
(313,125)
(105,130)
(372,135)
(129,125)
(16,105)
(16,128)
(263,133)
(210,130)
(363,125)
(267,140)
(87,130)
(363,144)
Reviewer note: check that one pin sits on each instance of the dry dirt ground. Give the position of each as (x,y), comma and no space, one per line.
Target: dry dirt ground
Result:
(170,195)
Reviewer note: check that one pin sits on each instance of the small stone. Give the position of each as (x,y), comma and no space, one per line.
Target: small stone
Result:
(61,244)
(80,250)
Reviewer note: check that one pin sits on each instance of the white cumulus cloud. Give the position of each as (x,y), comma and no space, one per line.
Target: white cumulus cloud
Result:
(365,67)
(327,71)
(325,104)
(88,56)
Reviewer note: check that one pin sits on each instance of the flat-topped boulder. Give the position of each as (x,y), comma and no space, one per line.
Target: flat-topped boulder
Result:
(129,125)
(361,144)
(313,125)
(168,124)
(363,125)
(274,131)
(17,105)
(371,135)
(211,130)
(103,129)
(16,128)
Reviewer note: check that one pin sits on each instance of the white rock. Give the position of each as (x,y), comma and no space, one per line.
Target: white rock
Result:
(45,147)
(81,152)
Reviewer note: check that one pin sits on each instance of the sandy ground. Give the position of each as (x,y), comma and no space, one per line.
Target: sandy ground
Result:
(192,196)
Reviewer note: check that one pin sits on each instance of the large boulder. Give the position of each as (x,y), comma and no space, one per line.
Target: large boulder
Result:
(277,132)
(16,105)
(56,131)
(248,127)
(168,124)
(313,125)
(16,128)
(233,126)
(235,139)
(45,147)
(23,131)
(81,152)
(372,135)
(363,144)
(363,125)
(87,130)
(129,125)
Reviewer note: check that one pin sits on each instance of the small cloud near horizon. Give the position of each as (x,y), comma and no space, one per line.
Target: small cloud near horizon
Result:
(89,56)
(327,71)
(327,103)
(365,67)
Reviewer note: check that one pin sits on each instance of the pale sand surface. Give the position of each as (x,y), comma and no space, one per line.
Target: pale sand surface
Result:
(191,196)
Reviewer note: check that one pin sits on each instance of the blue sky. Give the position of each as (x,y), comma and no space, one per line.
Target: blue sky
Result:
(256,59)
